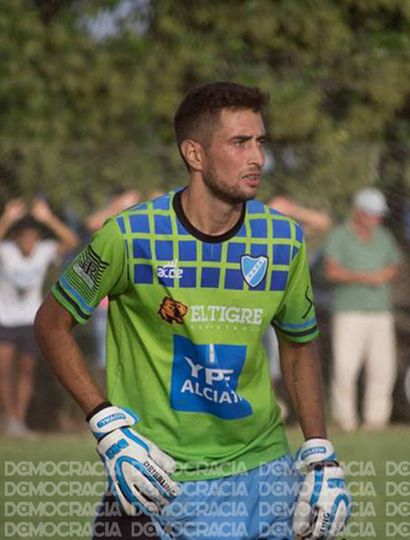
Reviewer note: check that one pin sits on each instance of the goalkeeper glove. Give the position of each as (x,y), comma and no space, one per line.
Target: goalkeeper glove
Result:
(323,505)
(138,470)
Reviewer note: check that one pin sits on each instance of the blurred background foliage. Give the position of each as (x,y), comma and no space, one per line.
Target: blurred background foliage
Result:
(88,91)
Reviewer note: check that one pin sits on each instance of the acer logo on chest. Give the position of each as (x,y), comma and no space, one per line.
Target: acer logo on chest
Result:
(170,270)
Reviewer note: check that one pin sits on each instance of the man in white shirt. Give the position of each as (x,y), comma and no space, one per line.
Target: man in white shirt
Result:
(24,260)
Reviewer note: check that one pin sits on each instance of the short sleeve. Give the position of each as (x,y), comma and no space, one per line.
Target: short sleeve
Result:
(295,319)
(100,269)
(333,248)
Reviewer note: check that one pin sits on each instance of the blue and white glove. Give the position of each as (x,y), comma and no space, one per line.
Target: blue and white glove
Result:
(138,470)
(324,504)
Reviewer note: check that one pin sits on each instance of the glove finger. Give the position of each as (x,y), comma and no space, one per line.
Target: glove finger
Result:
(302,518)
(163,460)
(156,478)
(320,523)
(166,462)
(148,506)
(136,504)
(167,486)
(132,477)
(341,514)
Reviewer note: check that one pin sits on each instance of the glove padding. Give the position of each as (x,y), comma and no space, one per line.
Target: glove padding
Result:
(324,504)
(137,468)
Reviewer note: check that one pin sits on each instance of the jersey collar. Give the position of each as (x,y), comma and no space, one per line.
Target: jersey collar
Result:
(209,238)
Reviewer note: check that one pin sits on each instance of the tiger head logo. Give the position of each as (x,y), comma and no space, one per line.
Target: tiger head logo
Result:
(172,311)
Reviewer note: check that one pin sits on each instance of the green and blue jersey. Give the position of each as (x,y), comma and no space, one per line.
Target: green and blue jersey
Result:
(186,315)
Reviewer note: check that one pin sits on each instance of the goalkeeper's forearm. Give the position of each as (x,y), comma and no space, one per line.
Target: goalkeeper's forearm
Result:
(302,377)
(52,329)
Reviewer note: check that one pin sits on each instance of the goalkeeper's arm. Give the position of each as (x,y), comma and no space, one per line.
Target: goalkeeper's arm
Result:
(302,377)
(323,505)
(52,328)
(138,470)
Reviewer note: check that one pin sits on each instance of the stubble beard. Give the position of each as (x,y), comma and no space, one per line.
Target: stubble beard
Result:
(221,190)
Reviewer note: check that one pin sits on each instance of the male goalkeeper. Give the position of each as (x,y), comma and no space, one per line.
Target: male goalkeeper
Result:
(190,432)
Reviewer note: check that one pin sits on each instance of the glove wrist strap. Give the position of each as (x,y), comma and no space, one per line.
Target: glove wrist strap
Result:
(110,418)
(97,409)
(314,451)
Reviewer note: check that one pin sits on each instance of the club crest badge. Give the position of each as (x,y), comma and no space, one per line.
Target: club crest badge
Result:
(253,269)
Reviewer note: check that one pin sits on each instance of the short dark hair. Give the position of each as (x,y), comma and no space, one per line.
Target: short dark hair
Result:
(25,224)
(201,107)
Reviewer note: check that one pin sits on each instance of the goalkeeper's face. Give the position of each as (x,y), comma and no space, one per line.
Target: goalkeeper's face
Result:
(234,155)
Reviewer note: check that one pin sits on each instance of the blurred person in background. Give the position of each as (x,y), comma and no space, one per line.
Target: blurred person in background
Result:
(155,194)
(121,200)
(24,259)
(314,222)
(118,203)
(361,260)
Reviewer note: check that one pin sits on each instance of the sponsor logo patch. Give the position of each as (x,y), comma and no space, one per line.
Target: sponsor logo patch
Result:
(253,269)
(111,418)
(226,314)
(172,311)
(205,379)
(170,270)
(90,267)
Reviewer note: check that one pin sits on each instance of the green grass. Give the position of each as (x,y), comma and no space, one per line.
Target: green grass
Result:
(49,487)
(40,477)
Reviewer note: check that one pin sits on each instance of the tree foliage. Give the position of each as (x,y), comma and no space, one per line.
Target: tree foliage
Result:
(85,108)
